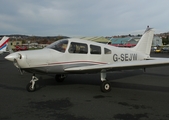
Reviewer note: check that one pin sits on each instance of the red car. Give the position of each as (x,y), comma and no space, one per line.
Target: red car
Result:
(21,47)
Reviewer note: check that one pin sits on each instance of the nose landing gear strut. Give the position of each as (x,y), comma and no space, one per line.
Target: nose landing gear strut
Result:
(31,86)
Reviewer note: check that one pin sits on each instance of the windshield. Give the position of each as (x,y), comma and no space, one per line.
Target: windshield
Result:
(59,45)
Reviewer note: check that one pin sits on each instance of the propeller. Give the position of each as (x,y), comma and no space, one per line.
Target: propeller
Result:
(14,57)
(17,65)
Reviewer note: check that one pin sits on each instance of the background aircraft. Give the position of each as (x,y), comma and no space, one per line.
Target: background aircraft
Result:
(72,56)
(3,44)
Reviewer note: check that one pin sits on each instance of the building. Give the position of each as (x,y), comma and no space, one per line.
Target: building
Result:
(132,41)
(124,42)
(157,41)
(96,39)
(14,43)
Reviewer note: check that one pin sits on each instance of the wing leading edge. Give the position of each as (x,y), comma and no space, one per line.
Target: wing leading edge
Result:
(152,62)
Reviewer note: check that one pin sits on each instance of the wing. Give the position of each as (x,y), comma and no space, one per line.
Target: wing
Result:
(152,62)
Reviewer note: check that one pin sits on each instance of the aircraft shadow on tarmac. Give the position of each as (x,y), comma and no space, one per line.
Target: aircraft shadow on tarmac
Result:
(88,79)
(140,87)
(94,79)
(156,74)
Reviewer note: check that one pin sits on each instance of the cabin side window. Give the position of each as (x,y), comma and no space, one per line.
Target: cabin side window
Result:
(79,48)
(107,51)
(95,49)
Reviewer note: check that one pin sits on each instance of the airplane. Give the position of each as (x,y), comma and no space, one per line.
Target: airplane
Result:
(77,56)
(3,44)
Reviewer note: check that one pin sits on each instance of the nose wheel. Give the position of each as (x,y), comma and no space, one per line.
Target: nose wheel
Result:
(31,87)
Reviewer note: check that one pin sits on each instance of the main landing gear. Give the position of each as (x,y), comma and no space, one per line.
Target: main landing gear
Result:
(60,77)
(105,85)
(31,86)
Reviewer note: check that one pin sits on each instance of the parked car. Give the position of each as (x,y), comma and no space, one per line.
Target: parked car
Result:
(165,49)
(20,48)
(157,50)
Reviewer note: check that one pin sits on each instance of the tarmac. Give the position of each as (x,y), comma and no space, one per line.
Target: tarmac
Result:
(135,95)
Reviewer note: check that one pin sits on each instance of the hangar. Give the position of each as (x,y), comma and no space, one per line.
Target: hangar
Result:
(96,39)
(132,41)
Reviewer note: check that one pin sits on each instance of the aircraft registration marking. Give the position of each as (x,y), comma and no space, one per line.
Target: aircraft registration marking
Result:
(124,57)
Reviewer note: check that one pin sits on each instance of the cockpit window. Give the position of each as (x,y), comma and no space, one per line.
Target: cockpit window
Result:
(59,45)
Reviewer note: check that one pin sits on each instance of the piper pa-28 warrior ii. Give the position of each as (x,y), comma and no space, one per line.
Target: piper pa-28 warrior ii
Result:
(3,44)
(73,56)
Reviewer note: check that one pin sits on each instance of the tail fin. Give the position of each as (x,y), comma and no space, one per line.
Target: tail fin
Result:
(3,44)
(144,44)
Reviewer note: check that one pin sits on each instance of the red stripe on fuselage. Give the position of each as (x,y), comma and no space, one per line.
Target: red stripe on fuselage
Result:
(63,63)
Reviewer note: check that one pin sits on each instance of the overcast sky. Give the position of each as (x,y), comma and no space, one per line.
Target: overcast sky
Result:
(83,17)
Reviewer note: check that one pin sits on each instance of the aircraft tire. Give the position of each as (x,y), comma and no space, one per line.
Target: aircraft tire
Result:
(105,86)
(59,78)
(29,87)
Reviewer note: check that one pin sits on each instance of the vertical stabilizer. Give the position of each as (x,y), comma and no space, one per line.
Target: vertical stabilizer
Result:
(3,44)
(144,44)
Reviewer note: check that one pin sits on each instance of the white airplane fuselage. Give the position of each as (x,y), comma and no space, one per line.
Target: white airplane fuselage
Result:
(49,60)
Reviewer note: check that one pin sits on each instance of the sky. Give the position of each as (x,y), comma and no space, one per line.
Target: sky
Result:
(82,17)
